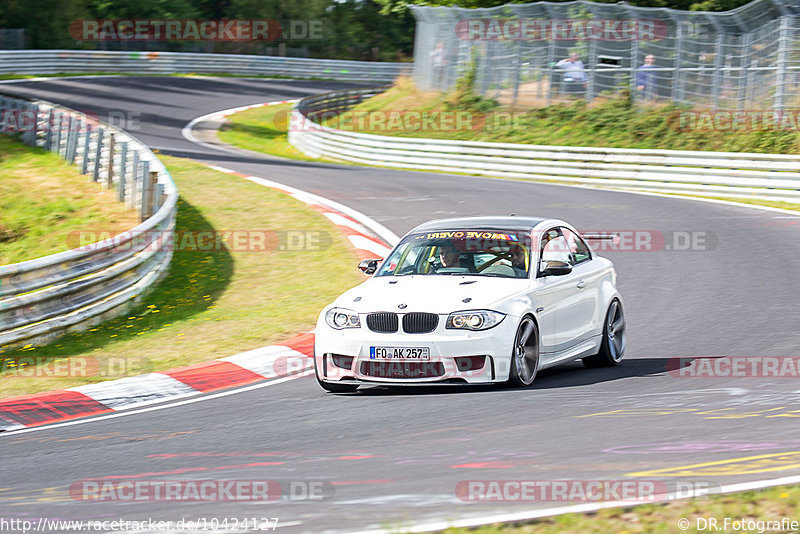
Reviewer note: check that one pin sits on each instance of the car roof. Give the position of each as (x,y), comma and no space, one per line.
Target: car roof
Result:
(502,222)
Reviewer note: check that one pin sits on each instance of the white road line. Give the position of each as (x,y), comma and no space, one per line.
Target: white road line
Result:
(528,515)
(162,407)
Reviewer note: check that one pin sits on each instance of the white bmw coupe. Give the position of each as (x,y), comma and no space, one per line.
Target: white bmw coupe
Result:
(472,301)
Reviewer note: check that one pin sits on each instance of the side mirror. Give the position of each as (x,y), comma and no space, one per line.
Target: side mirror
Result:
(555,268)
(369,266)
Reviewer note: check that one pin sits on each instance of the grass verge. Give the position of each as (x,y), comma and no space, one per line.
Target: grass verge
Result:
(212,303)
(609,121)
(771,504)
(45,202)
(262,130)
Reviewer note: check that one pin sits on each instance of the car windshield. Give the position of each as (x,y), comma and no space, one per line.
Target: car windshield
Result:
(472,252)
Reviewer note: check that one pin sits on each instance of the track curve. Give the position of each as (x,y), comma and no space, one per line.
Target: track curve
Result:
(396,456)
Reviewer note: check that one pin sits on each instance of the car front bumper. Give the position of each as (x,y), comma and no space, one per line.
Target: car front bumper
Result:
(447,349)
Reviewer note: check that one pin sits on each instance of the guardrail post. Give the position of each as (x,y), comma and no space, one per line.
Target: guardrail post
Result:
(123,171)
(78,131)
(71,135)
(86,141)
(110,173)
(148,178)
(48,134)
(56,145)
(158,194)
(33,133)
(134,176)
(98,154)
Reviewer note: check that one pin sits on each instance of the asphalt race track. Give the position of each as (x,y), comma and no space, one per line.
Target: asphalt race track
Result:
(389,456)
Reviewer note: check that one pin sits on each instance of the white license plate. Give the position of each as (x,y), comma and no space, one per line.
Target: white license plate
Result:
(400,353)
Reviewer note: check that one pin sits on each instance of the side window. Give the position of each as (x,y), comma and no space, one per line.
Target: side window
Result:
(554,246)
(578,250)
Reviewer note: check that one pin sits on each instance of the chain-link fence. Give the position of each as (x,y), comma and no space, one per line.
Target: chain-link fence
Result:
(539,53)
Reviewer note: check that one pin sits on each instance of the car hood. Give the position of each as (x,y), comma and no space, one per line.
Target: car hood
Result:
(433,294)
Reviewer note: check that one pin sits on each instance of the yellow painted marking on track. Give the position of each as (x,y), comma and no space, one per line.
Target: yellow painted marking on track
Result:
(741,415)
(26,497)
(791,413)
(641,411)
(764,463)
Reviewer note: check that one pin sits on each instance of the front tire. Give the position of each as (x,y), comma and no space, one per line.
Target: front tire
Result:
(612,348)
(525,355)
(333,387)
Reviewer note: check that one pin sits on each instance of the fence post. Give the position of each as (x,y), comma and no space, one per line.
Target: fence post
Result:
(97,155)
(677,87)
(517,70)
(783,51)
(592,61)
(744,65)
(110,174)
(551,69)
(716,85)
(634,62)
(86,141)
(123,168)
(147,191)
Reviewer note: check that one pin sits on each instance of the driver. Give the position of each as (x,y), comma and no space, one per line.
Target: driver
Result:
(517,256)
(450,257)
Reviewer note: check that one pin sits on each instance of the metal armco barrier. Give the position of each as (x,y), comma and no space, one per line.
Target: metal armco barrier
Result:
(716,174)
(89,61)
(44,298)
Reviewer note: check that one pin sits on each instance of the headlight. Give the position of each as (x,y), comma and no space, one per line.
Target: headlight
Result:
(340,318)
(474,319)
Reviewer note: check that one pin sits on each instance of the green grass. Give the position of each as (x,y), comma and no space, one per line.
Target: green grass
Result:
(608,122)
(211,304)
(44,202)
(769,504)
(262,130)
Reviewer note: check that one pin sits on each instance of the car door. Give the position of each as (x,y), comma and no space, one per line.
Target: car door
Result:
(583,309)
(556,298)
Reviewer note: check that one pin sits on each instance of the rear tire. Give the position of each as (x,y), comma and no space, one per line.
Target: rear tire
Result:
(612,348)
(333,387)
(525,355)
